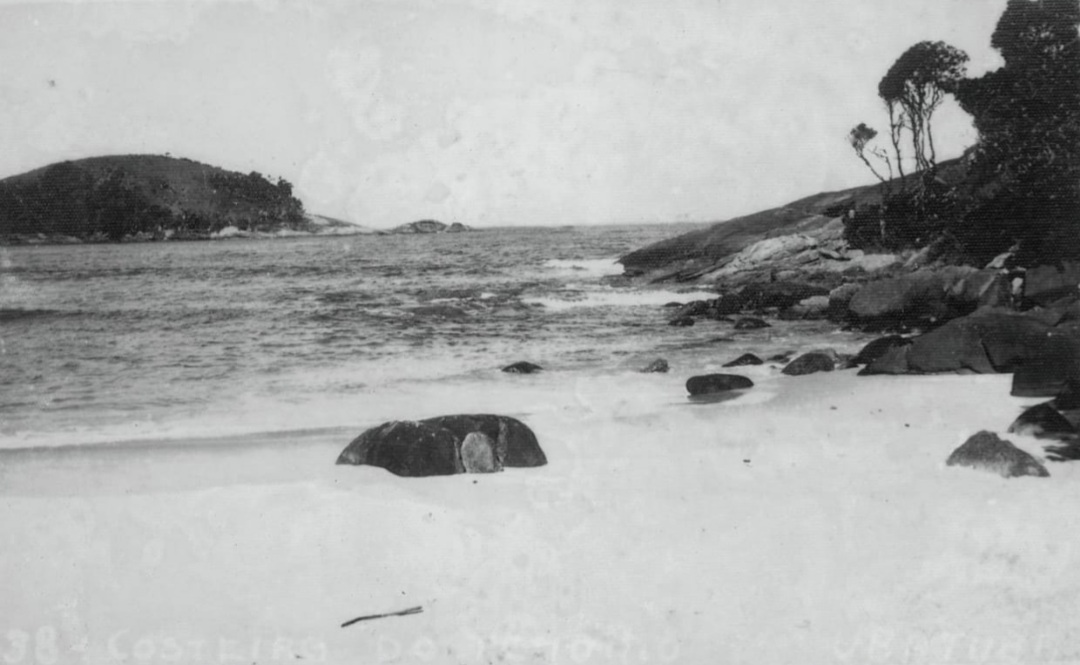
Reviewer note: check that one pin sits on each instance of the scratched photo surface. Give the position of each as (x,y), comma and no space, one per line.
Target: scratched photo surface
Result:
(539,331)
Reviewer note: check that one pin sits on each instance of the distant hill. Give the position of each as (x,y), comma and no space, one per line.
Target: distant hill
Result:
(124,197)
(691,254)
(430,226)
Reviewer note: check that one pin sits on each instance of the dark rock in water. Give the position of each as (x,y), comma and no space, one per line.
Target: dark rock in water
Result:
(1043,421)
(681,322)
(714,315)
(1045,284)
(446,445)
(695,308)
(839,299)
(778,294)
(892,361)
(657,366)
(810,363)
(673,304)
(1052,366)
(878,348)
(439,312)
(781,357)
(750,323)
(987,452)
(522,367)
(745,359)
(729,303)
(716,383)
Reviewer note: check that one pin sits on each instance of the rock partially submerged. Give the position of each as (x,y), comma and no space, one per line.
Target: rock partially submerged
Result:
(745,359)
(522,367)
(986,452)
(658,366)
(707,384)
(446,445)
(750,323)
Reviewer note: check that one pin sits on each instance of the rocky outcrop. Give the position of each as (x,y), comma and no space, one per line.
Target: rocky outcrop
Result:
(707,384)
(986,452)
(446,445)
(928,296)
(1046,284)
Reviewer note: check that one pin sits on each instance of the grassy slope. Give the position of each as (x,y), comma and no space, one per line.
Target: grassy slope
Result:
(697,250)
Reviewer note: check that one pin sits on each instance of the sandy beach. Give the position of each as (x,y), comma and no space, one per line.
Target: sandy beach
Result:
(810,520)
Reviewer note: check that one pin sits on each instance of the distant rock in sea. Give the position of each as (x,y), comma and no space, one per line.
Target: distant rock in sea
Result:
(522,367)
(430,226)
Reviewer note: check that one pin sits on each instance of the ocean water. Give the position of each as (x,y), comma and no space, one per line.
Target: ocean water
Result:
(106,343)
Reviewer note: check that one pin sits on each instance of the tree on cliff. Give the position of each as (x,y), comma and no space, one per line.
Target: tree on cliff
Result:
(1027,162)
(914,88)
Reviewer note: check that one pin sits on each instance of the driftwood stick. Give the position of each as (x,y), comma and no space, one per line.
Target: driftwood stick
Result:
(412,610)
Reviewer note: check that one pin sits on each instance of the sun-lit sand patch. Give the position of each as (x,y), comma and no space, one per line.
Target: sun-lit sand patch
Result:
(818,526)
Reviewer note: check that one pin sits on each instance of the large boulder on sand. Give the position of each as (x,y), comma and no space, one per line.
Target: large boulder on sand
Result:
(446,445)
(810,363)
(987,341)
(707,384)
(877,348)
(750,323)
(987,452)
(1043,421)
(1051,366)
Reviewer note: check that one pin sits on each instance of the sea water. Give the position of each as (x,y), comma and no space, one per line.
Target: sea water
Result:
(106,343)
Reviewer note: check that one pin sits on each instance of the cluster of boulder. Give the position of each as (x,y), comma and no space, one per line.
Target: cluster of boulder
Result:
(965,320)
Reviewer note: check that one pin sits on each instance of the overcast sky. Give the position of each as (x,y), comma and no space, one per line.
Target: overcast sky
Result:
(485,112)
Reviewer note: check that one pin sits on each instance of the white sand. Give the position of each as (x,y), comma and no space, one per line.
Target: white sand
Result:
(759,530)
